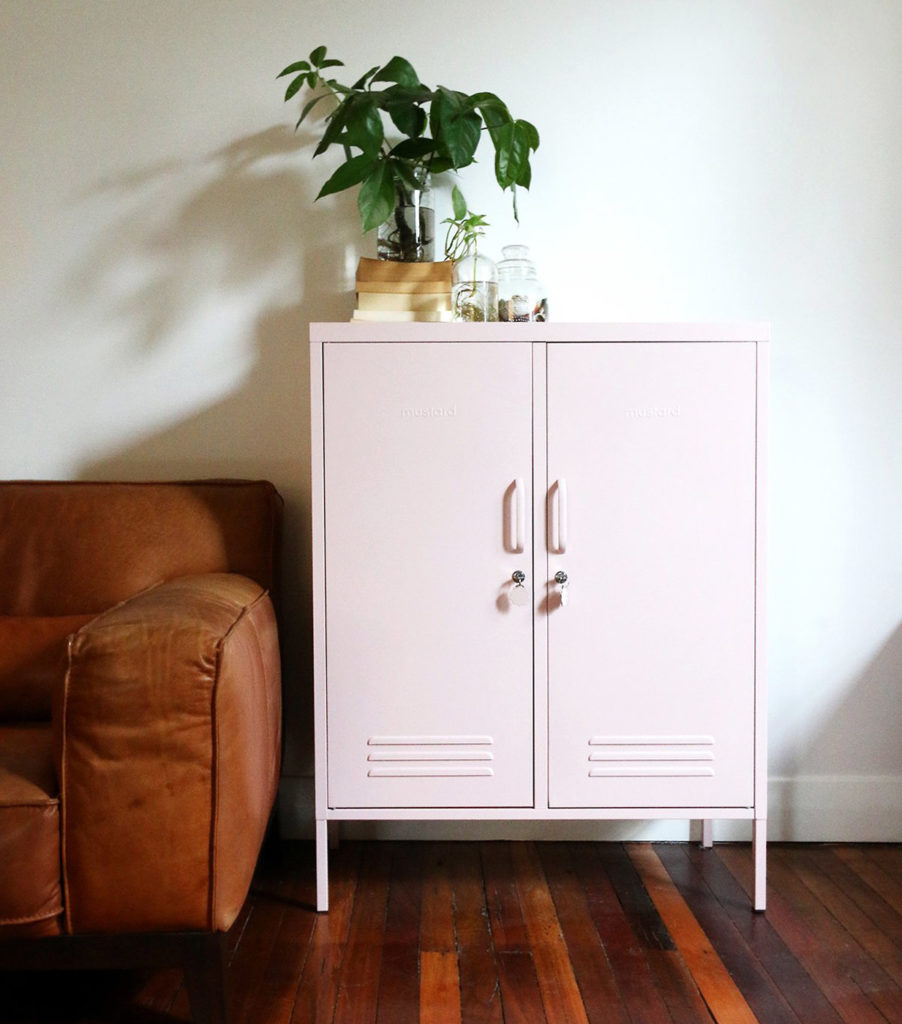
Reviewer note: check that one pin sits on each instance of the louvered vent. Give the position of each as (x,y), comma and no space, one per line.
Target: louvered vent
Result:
(651,756)
(400,757)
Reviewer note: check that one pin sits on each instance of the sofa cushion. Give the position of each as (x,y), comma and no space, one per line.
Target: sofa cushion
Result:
(30,892)
(169,756)
(33,655)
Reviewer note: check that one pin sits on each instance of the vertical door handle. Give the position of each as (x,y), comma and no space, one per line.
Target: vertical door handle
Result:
(518,517)
(557,519)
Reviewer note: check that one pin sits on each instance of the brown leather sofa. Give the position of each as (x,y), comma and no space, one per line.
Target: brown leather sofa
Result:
(140,720)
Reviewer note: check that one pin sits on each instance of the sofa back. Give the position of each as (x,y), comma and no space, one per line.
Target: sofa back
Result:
(78,548)
(70,550)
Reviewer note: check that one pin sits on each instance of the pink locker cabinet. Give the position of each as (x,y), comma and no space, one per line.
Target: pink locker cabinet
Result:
(539,573)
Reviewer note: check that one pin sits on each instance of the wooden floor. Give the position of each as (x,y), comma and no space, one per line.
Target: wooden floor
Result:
(527,933)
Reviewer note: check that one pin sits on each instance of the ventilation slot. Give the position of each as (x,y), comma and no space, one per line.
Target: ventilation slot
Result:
(412,757)
(651,757)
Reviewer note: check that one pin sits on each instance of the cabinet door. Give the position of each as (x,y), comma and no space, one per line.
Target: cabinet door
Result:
(651,657)
(429,665)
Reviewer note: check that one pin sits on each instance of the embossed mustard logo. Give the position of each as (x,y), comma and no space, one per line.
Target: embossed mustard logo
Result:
(429,412)
(653,412)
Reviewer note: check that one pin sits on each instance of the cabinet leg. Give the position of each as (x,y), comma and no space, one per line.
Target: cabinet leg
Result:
(707,833)
(759,854)
(322,864)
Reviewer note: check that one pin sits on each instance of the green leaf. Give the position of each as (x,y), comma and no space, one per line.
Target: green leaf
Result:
(458,203)
(351,173)
(399,95)
(402,103)
(398,70)
(310,105)
(439,164)
(461,136)
(409,120)
(529,139)
(364,125)
(445,105)
(376,198)
(299,65)
(406,175)
(530,133)
(361,82)
(494,112)
(512,154)
(402,96)
(295,86)
(454,126)
(317,55)
(336,124)
(331,63)
(413,149)
(354,122)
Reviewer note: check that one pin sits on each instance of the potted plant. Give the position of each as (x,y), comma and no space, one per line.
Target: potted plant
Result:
(437,130)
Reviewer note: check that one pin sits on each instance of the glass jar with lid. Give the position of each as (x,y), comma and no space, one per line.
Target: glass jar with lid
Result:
(521,296)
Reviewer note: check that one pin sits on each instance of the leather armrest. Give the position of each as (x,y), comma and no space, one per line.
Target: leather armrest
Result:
(168,745)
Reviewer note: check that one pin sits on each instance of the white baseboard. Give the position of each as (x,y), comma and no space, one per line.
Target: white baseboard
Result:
(809,809)
(836,809)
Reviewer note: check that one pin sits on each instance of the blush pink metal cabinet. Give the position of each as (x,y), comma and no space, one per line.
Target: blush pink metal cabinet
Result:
(538,557)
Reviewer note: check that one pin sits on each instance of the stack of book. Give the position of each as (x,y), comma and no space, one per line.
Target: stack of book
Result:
(391,291)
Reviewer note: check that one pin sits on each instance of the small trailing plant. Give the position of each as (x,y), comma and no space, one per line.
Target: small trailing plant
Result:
(473,299)
(439,130)
(464,228)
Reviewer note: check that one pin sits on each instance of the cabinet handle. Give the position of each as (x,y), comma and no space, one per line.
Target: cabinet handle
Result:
(518,517)
(557,525)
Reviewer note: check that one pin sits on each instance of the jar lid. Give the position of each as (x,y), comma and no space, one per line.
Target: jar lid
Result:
(516,262)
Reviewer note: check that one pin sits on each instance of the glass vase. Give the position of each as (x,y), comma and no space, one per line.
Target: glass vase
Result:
(408,236)
(474,292)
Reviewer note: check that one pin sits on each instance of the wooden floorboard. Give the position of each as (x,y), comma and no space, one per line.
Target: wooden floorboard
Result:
(399,981)
(735,931)
(535,933)
(887,885)
(321,972)
(480,998)
(641,1001)
(557,982)
(591,966)
(698,873)
(825,949)
(718,989)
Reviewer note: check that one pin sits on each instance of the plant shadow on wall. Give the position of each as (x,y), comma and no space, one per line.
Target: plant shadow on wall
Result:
(206,280)
(227,223)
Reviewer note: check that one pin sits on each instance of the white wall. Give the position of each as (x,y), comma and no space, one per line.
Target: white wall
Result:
(161,256)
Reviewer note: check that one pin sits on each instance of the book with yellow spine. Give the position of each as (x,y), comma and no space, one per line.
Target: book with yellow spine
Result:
(413,302)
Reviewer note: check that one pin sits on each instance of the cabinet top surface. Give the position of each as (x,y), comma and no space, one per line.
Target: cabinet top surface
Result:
(533,332)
